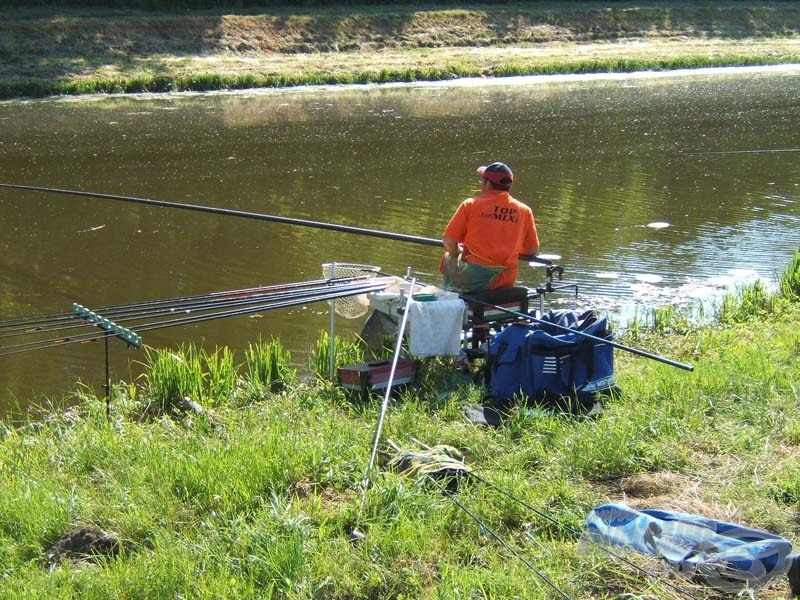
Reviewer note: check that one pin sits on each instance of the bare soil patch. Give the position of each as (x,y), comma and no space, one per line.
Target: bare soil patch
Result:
(83,544)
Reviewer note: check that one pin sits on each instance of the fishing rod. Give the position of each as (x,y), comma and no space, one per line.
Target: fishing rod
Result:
(234,213)
(27,322)
(472,474)
(83,338)
(136,313)
(636,351)
(31,325)
(225,296)
(339,292)
(444,489)
(484,527)
(726,152)
(390,235)
(268,306)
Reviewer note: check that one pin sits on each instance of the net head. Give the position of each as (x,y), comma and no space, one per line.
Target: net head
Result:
(350,307)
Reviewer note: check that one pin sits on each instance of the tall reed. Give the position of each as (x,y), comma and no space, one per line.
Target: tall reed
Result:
(747,302)
(222,374)
(790,280)
(345,352)
(188,372)
(268,365)
(172,375)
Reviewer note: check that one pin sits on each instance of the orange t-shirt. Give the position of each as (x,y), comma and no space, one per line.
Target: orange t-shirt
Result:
(494,228)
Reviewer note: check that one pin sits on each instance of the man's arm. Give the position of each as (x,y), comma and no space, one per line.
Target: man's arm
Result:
(452,246)
(533,238)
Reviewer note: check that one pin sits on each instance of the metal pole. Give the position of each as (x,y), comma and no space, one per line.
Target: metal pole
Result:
(108,385)
(401,237)
(331,344)
(388,392)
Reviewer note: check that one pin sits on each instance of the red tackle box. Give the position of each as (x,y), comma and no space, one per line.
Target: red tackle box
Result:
(375,375)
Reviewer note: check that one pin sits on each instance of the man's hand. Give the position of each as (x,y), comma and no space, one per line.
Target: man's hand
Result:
(452,246)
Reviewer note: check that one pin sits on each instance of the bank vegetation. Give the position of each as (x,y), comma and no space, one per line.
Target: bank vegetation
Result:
(209,478)
(75,48)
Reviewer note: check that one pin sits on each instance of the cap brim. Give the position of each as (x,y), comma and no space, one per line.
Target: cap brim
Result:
(480,170)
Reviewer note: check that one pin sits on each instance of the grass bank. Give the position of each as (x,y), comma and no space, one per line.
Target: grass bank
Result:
(257,496)
(74,51)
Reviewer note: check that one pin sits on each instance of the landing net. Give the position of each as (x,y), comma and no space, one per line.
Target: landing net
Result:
(350,307)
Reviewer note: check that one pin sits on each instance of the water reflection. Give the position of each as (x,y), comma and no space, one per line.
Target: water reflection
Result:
(652,191)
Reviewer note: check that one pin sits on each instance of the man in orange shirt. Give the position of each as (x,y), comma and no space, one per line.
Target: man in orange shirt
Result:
(486,235)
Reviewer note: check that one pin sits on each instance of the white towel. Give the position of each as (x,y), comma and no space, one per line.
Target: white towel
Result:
(435,327)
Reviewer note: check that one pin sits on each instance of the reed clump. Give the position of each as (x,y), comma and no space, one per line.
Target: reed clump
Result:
(269,366)
(345,352)
(790,279)
(267,505)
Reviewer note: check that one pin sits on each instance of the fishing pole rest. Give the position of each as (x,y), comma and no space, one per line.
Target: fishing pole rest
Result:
(552,273)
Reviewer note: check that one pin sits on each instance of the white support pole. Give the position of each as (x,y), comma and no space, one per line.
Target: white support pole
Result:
(332,345)
(385,404)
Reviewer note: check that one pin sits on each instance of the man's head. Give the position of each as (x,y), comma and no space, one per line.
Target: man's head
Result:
(498,174)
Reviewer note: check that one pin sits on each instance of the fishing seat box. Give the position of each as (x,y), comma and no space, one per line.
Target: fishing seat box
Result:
(481,318)
(370,376)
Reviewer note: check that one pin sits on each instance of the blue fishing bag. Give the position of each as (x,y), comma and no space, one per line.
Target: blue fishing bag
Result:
(542,362)
(726,556)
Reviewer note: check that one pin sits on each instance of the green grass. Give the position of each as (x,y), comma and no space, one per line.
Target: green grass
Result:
(789,281)
(18,88)
(259,499)
(268,366)
(345,352)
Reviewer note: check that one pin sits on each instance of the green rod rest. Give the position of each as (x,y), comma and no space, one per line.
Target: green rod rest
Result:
(121,332)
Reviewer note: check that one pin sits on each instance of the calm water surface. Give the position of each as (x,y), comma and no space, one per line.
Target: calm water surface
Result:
(653,190)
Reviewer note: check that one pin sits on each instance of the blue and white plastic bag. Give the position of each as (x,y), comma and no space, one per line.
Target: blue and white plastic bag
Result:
(726,556)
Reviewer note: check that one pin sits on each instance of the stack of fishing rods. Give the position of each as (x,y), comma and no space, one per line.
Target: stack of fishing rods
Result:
(38,333)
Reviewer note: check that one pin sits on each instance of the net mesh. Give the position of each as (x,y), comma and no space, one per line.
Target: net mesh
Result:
(350,307)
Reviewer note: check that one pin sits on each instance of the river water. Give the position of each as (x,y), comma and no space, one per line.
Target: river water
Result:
(654,189)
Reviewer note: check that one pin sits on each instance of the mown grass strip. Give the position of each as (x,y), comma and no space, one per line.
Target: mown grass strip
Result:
(203,82)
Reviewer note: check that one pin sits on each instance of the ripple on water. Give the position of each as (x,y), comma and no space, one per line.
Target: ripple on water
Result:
(649,278)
